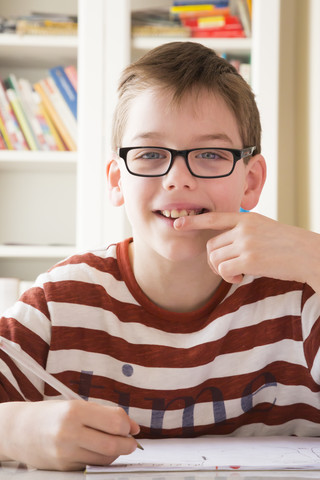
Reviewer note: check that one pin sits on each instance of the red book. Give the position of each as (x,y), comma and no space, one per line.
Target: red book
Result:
(216,33)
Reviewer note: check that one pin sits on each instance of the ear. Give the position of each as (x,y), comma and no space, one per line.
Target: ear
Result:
(114,183)
(256,171)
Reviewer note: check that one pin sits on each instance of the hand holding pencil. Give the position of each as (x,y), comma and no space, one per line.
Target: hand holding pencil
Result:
(63,434)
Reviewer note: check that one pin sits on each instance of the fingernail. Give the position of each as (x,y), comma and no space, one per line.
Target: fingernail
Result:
(178,223)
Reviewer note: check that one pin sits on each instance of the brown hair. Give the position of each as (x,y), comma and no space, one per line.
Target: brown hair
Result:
(182,67)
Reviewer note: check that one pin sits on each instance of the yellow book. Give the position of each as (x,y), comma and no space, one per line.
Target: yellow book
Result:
(51,126)
(5,135)
(55,118)
(191,8)
(216,21)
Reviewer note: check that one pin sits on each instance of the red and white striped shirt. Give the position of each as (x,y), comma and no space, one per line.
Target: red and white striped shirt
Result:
(246,363)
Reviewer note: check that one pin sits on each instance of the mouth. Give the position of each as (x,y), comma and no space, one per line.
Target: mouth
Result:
(181,213)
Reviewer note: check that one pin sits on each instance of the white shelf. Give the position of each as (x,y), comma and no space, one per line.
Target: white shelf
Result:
(227,45)
(37,50)
(12,40)
(22,160)
(36,251)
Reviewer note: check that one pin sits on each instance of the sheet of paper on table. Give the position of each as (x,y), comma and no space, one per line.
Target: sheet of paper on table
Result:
(219,453)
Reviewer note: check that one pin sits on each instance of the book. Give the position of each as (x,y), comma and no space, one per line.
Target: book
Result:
(25,28)
(72,74)
(20,111)
(57,140)
(39,23)
(217,33)
(61,107)
(16,107)
(217,3)
(59,125)
(156,22)
(66,88)
(242,10)
(160,31)
(204,13)
(31,112)
(5,144)
(202,6)
(220,26)
(11,124)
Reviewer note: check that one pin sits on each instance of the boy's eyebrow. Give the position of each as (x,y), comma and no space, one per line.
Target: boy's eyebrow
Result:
(215,136)
(207,137)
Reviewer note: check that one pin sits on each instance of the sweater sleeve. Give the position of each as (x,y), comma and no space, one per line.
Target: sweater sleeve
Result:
(26,323)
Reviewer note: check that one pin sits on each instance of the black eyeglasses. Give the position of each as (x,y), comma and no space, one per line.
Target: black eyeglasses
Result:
(209,162)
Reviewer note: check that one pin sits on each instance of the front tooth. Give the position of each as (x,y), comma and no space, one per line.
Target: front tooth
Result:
(166,213)
(178,213)
(183,213)
(192,212)
(175,214)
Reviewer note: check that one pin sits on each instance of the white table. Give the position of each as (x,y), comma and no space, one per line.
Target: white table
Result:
(12,471)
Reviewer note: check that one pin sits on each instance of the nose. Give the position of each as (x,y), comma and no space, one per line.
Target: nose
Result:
(179,176)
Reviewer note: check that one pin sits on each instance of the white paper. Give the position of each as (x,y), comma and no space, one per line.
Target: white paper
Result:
(219,453)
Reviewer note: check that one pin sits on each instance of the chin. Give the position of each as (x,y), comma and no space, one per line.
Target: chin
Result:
(183,250)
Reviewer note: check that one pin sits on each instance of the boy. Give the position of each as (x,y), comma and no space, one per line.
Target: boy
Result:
(206,323)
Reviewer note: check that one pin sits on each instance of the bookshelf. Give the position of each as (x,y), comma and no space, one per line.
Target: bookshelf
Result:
(37,189)
(53,205)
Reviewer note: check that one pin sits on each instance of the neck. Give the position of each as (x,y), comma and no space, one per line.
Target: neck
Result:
(176,286)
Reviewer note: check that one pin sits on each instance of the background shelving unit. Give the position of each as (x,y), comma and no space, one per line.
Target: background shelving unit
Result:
(37,189)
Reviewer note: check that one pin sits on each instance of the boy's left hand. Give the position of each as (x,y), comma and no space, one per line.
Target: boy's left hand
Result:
(249,243)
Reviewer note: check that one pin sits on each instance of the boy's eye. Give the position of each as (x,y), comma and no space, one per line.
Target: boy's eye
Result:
(210,155)
(150,154)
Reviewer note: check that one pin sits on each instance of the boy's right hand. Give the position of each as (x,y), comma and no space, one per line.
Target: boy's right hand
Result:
(65,435)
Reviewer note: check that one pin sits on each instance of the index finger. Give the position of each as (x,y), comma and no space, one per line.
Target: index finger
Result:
(112,420)
(208,221)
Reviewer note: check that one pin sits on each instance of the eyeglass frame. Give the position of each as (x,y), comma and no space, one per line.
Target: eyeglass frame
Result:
(238,154)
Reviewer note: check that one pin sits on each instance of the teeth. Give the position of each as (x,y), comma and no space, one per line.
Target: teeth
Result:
(178,213)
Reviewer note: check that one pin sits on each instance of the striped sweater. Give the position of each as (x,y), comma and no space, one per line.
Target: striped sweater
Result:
(246,363)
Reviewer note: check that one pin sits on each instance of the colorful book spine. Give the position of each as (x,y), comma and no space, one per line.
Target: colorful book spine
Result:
(200,13)
(217,3)
(216,33)
(3,145)
(16,107)
(61,107)
(20,111)
(4,134)
(11,123)
(72,74)
(25,89)
(43,122)
(66,88)
(58,142)
(45,96)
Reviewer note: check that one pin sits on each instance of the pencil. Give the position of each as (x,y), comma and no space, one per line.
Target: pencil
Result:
(14,351)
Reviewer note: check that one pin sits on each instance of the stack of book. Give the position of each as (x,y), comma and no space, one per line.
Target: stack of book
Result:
(42,116)
(196,18)
(40,24)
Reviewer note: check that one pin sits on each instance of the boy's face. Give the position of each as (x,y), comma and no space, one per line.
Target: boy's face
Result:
(201,120)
